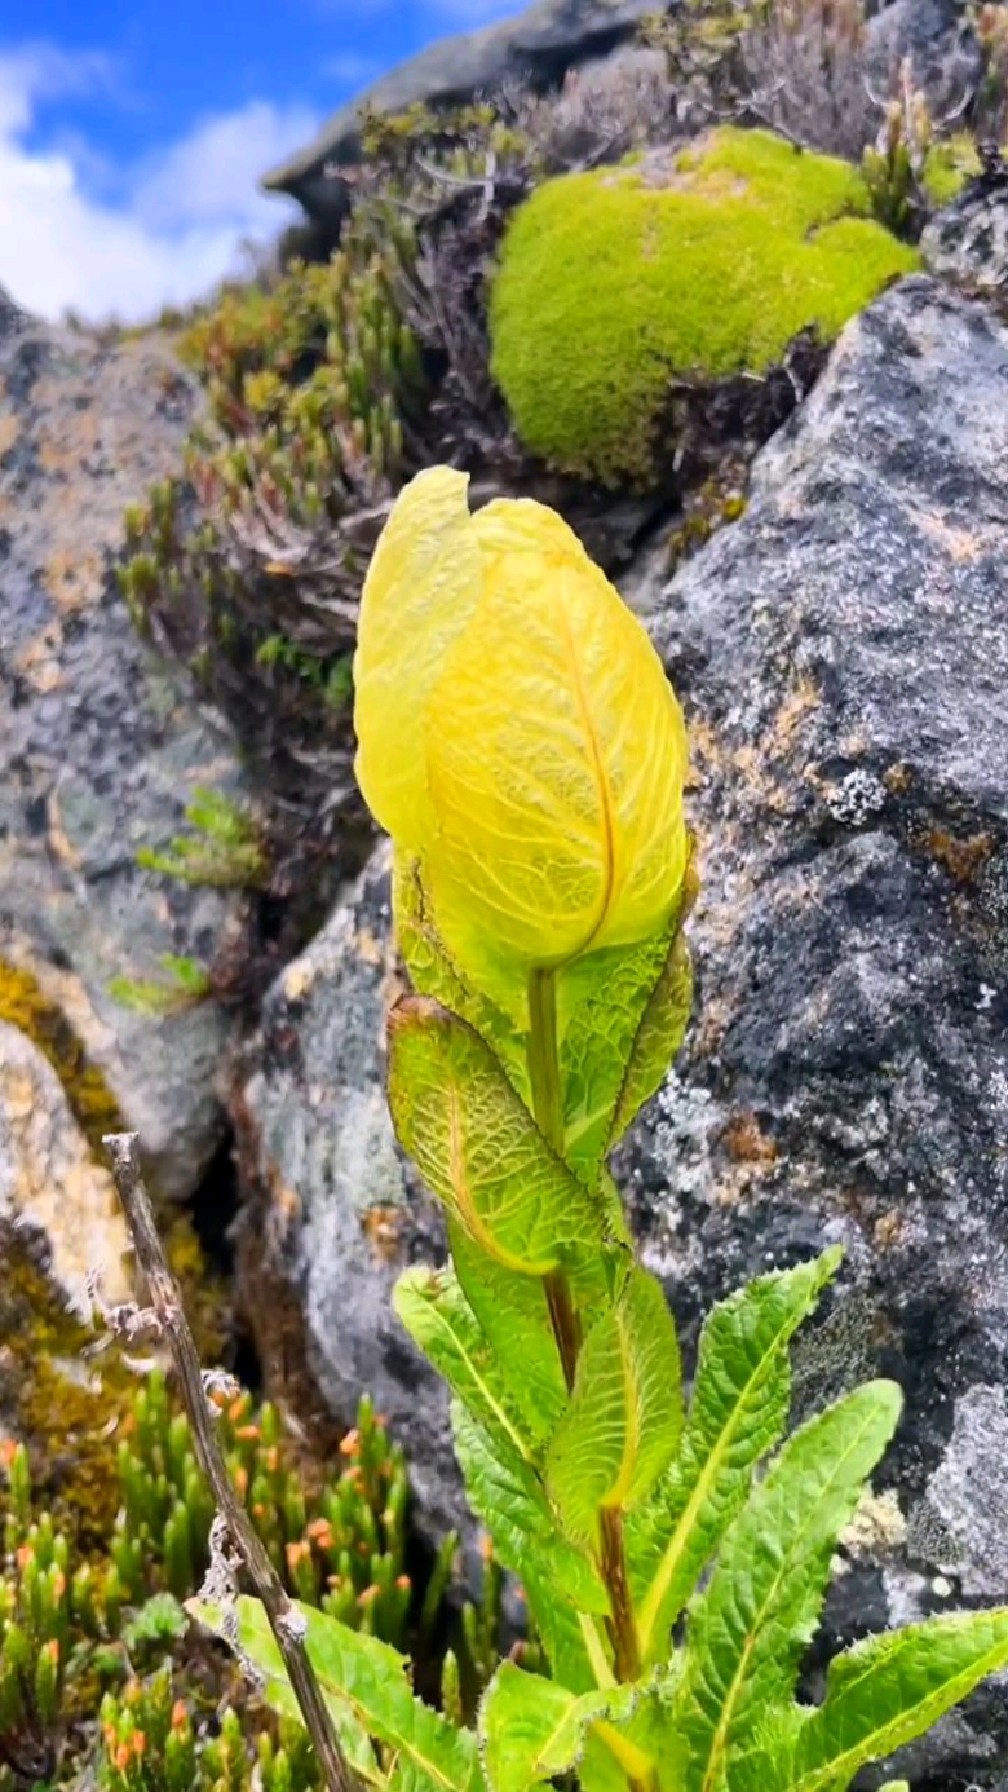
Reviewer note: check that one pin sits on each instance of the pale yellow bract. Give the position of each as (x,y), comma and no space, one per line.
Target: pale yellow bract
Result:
(516,731)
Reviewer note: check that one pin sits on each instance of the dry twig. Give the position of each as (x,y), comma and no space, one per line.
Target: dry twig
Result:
(233,1525)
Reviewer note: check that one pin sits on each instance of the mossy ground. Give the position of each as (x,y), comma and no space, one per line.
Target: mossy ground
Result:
(702,264)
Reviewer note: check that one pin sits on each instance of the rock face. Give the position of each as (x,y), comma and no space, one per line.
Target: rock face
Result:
(539,46)
(967,244)
(936,35)
(843,655)
(49,1179)
(100,746)
(345,1215)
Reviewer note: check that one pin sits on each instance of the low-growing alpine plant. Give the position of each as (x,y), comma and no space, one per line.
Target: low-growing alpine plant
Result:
(518,740)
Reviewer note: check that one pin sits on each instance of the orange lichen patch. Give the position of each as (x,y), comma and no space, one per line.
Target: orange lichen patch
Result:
(746,1142)
(888,1229)
(382,1227)
(797,706)
(10,429)
(370,949)
(74,581)
(38,663)
(897,779)
(962,859)
(959,544)
(79,438)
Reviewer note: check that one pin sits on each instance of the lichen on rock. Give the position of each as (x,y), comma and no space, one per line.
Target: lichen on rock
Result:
(701,262)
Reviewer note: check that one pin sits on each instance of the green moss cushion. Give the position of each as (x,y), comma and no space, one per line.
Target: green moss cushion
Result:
(704,262)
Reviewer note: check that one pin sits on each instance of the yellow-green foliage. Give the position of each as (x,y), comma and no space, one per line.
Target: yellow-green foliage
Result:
(949,167)
(310,373)
(613,281)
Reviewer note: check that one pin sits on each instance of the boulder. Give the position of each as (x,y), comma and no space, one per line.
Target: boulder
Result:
(936,34)
(50,1182)
(537,47)
(843,655)
(344,1214)
(967,243)
(101,745)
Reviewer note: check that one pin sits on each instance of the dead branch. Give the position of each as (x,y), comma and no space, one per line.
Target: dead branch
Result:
(233,1524)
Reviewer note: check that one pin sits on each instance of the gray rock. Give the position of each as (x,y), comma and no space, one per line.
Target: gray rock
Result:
(967,243)
(539,46)
(939,38)
(101,746)
(843,654)
(345,1215)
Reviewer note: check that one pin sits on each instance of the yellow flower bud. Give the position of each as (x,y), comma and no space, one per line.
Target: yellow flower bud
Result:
(516,732)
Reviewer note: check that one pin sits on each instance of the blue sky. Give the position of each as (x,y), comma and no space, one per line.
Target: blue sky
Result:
(132,135)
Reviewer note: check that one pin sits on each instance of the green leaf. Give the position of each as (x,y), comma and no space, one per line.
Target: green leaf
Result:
(659,1036)
(622,1012)
(601,999)
(365,1687)
(563,1591)
(748,1630)
(433,973)
(880,1695)
(438,1317)
(739,1408)
(531,1729)
(624,1417)
(477,1146)
(598,1769)
(514,1318)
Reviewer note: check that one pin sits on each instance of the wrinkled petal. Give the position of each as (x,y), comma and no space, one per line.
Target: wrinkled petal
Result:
(556,757)
(422,587)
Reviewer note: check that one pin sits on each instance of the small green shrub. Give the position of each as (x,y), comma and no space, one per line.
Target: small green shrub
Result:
(613,283)
(184,983)
(949,167)
(223,847)
(77,1634)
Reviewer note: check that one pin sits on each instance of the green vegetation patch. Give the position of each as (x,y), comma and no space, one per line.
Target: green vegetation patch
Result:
(705,264)
(949,168)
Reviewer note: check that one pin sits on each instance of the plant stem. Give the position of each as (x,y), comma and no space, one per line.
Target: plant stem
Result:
(621,1625)
(547,1106)
(285,1621)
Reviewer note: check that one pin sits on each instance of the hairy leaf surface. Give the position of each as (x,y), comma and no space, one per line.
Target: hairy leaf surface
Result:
(625,1413)
(738,1411)
(365,1685)
(531,1729)
(565,1596)
(601,1001)
(433,973)
(438,1317)
(880,1695)
(477,1146)
(748,1630)
(514,1319)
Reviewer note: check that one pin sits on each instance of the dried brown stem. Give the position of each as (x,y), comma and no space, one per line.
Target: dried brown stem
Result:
(285,1621)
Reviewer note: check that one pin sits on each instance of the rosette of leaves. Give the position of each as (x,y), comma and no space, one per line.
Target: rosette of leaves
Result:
(674,1552)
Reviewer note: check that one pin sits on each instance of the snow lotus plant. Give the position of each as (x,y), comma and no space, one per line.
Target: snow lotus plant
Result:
(519,741)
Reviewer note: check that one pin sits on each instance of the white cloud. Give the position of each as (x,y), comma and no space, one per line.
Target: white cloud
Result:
(177,223)
(352,71)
